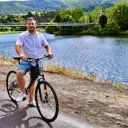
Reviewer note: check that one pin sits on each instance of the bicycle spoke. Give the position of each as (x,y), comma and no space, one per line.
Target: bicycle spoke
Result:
(12,86)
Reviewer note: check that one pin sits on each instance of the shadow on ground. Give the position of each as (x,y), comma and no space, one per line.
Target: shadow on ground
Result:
(12,116)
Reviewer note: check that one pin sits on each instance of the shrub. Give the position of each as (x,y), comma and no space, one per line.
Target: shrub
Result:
(112,28)
(97,29)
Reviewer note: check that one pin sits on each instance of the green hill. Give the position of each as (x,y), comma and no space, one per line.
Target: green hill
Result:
(15,7)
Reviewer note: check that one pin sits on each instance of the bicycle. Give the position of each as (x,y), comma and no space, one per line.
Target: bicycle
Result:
(45,95)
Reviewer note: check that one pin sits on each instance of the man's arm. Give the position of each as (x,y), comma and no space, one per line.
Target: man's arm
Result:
(49,50)
(19,52)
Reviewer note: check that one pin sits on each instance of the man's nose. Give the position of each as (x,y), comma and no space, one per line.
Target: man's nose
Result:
(31,25)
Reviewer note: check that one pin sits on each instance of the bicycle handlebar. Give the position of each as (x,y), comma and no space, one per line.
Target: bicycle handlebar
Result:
(33,59)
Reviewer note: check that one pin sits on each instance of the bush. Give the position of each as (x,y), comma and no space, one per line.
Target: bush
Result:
(98,30)
(87,32)
(112,28)
(52,29)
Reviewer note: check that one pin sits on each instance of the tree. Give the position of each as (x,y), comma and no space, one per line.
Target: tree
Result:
(3,19)
(29,14)
(77,13)
(57,18)
(67,18)
(103,20)
(84,19)
(37,14)
(109,13)
(121,14)
(90,18)
(10,18)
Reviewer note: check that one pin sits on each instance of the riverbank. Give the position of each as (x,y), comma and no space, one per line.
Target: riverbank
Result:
(14,32)
(10,32)
(92,33)
(97,103)
(120,34)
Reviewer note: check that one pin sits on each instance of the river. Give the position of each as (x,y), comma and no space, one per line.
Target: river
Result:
(106,57)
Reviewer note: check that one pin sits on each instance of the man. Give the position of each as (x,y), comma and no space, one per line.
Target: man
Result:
(29,45)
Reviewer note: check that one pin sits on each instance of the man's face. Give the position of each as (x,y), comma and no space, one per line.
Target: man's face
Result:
(31,25)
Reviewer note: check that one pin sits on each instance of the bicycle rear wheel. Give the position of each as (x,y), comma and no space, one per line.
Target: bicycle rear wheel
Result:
(12,86)
(46,101)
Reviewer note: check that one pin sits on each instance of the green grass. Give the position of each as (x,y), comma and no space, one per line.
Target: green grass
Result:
(10,32)
(14,32)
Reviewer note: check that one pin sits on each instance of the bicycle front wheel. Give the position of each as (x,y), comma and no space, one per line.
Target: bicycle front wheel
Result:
(12,86)
(46,101)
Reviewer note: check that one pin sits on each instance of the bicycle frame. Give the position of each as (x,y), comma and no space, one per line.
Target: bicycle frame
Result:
(45,95)
(32,80)
(33,76)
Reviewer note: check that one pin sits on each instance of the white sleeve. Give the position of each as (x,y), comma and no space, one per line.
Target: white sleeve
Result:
(19,40)
(44,41)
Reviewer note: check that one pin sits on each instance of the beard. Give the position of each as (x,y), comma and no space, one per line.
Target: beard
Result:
(31,29)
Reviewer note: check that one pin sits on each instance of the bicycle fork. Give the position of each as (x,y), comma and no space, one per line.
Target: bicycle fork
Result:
(43,93)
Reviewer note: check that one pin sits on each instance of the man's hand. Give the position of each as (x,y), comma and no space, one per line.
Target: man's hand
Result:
(50,55)
(23,57)
(19,52)
(49,51)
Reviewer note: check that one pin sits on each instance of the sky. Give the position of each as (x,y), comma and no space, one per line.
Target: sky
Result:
(13,0)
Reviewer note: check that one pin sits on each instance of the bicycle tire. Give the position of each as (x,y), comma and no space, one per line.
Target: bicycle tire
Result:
(12,86)
(46,95)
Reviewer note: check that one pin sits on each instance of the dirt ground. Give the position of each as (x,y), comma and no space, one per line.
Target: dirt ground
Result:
(102,104)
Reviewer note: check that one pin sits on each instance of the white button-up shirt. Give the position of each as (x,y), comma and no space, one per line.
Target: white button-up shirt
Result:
(31,45)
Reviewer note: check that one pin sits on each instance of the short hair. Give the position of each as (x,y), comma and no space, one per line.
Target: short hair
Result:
(31,18)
